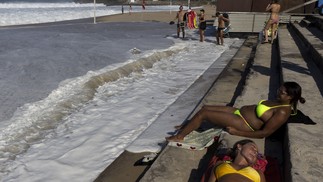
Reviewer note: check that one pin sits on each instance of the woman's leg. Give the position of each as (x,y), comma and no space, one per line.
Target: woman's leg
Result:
(221,37)
(202,35)
(268,24)
(220,118)
(227,109)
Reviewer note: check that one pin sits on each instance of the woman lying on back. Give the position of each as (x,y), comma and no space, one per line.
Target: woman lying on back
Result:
(245,154)
(254,121)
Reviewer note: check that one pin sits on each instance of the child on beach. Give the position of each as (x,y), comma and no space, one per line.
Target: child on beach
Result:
(253,121)
(221,26)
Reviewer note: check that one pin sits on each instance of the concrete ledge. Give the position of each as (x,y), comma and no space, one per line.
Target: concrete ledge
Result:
(314,44)
(303,148)
(175,164)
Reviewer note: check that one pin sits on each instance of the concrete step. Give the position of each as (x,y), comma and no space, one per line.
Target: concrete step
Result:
(311,38)
(303,145)
(175,164)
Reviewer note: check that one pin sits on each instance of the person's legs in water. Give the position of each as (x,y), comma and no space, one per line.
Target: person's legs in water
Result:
(221,36)
(183,31)
(178,29)
(217,37)
(201,35)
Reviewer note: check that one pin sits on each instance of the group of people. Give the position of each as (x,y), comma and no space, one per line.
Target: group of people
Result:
(252,121)
(180,16)
(223,21)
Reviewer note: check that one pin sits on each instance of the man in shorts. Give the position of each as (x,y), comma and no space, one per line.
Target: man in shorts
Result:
(180,23)
(221,26)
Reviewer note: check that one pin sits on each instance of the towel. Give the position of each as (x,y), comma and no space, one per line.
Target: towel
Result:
(198,140)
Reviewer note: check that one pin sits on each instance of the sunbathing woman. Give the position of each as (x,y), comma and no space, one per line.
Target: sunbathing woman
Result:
(245,154)
(254,121)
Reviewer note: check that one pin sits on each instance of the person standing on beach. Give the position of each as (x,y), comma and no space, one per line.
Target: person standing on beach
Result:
(202,24)
(130,9)
(221,26)
(180,21)
(274,8)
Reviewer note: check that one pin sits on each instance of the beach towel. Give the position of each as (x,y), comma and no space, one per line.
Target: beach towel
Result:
(198,140)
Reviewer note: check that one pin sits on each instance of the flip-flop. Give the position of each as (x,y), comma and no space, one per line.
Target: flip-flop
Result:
(265,42)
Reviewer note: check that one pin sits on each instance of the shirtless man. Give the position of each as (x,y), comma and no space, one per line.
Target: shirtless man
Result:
(221,26)
(274,8)
(180,23)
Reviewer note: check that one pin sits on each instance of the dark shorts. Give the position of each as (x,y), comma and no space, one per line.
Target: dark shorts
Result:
(202,25)
(219,29)
(180,25)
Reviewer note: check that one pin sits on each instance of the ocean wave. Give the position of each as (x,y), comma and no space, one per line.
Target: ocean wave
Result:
(35,121)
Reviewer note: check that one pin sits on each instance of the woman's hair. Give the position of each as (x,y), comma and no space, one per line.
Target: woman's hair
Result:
(295,91)
(235,147)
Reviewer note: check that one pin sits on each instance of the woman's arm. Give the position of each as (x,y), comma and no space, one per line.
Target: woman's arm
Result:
(225,19)
(212,177)
(268,8)
(276,121)
(262,176)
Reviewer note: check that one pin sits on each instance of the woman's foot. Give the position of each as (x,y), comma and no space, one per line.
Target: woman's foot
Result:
(174,138)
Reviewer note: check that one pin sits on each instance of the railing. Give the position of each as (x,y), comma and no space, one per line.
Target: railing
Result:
(254,22)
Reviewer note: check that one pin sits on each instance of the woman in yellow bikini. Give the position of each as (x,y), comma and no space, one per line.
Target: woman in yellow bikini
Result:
(245,154)
(253,121)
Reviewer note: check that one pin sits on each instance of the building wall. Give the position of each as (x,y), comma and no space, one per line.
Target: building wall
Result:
(260,5)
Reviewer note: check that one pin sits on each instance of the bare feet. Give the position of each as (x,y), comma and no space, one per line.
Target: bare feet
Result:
(174,138)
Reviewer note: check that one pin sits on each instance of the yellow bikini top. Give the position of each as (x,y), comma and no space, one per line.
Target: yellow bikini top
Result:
(261,108)
(225,168)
